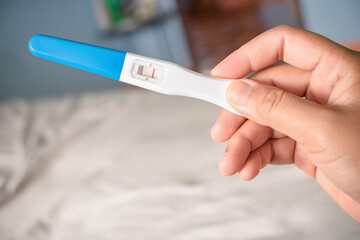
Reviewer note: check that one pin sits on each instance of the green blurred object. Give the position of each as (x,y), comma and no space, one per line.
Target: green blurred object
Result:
(115,9)
(117,16)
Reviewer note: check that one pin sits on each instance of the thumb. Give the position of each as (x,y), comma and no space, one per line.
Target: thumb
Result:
(300,119)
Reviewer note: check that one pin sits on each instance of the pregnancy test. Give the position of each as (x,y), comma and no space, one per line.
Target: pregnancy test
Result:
(145,72)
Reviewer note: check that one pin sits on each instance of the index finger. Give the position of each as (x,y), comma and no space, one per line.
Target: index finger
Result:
(299,48)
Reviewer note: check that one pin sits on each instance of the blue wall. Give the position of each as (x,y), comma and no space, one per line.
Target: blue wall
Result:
(336,19)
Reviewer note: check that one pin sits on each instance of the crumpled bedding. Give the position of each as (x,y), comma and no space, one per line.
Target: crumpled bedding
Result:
(132,164)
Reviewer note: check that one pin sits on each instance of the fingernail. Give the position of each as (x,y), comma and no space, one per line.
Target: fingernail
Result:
(214,131)
(214,72)
(239,92)
(225,167)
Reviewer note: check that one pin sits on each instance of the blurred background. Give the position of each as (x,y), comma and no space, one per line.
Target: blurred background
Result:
(194,33)
(85,157)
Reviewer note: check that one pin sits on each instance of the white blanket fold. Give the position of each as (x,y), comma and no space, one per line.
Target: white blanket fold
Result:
(132,164)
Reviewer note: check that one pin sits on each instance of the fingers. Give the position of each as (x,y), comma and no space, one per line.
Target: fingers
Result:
(303,162)
(285,77)
(251,149)
(256,160)
(280,110)
(274,151)
(299,48)
(283,151)
(226,125)
(278,75)
(249,137)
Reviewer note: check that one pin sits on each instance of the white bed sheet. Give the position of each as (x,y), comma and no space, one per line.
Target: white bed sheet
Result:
(131,164)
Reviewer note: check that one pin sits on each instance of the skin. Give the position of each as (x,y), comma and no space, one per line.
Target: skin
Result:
(304,111)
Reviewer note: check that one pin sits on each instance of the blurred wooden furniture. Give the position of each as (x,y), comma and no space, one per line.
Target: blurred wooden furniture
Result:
(215,28)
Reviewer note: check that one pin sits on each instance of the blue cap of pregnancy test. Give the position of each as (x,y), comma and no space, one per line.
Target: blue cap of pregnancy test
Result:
(103,61)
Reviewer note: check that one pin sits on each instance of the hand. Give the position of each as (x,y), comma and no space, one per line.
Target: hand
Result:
(305,111)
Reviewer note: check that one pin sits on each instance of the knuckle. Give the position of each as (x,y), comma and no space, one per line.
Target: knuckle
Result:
(328,127)
(270,103)
(324,131)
